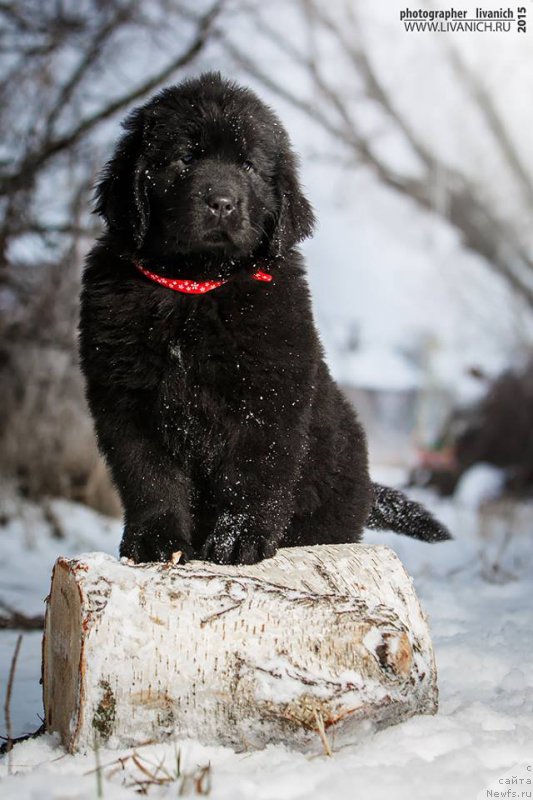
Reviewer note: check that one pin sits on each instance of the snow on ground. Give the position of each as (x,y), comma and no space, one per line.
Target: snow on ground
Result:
(478,596)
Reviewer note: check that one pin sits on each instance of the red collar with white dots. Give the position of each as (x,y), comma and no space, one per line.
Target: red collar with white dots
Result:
(193,287)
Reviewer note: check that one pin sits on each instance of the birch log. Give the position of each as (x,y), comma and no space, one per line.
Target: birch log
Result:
(304,648)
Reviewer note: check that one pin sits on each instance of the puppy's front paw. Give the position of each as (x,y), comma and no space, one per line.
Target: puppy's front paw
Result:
(146,543)
(233,547)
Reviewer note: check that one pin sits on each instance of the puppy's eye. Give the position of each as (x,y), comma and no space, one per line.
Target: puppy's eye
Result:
(186,159)
(248,166)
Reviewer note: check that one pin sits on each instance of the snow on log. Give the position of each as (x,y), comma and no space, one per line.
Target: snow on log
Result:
(304,648)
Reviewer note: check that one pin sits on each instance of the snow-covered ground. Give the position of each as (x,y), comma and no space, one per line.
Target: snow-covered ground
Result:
(482,625)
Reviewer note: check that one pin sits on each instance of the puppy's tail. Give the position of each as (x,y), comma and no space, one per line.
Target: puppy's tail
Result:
(392,510)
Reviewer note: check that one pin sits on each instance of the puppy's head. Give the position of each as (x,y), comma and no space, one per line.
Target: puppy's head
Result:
(204,168)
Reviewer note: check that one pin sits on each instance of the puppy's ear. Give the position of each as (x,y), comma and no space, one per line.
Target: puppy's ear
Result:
(295,219)
(121,195)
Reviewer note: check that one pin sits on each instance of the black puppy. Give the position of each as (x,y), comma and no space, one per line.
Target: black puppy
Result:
(224,431)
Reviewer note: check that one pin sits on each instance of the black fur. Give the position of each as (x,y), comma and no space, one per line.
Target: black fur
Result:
(224,431)
(392,510)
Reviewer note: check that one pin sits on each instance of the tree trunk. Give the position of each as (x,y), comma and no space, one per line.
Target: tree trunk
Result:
(302,649)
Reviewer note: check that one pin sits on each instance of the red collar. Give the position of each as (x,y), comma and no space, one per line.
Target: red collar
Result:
(193,287)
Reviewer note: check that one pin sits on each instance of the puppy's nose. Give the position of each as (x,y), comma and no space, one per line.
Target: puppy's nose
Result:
(221,204)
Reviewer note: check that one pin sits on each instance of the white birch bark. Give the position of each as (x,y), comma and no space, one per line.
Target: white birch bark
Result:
(304,648)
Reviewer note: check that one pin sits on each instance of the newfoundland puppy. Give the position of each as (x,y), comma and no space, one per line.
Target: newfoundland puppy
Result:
(224,431)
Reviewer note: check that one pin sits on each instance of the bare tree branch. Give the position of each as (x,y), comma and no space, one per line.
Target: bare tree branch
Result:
(12,619)
(93,50)
(49,149)
(486,105)
(465,209)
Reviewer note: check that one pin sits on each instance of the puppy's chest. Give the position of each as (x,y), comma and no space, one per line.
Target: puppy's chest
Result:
(215,369)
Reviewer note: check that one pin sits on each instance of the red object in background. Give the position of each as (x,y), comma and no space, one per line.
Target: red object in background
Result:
(437,459)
